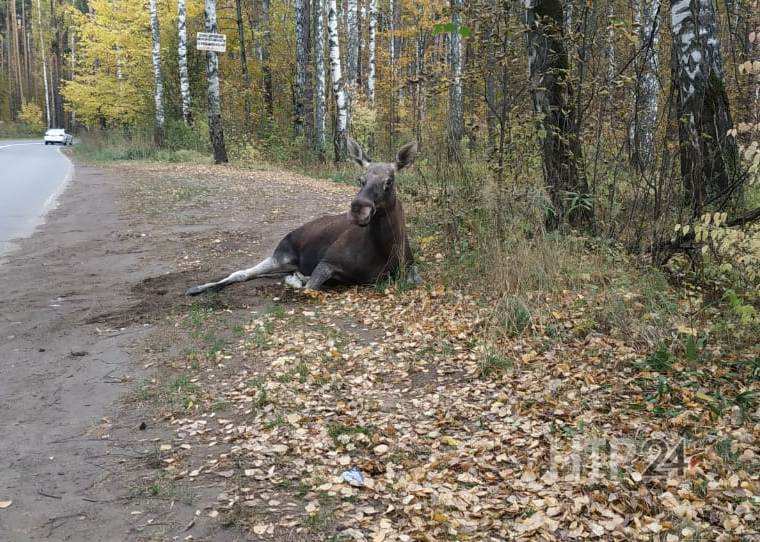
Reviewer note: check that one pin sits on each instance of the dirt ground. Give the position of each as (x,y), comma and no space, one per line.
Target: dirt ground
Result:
(82,302)
(130,412)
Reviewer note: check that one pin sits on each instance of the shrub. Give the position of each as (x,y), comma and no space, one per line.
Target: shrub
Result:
(31,117)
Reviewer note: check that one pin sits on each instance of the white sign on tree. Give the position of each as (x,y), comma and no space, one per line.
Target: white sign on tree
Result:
(207,41)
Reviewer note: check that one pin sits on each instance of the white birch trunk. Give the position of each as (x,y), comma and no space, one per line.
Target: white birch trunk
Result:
(708,156)
(157,76)
(352,31)
(73,47)
(117,53)
(567,12)
(371,55)
(341,109)
(320,76)
(648,92)
(609,51)
(391,33)
(216,131)
(456,123)
(184,79)
(44,65)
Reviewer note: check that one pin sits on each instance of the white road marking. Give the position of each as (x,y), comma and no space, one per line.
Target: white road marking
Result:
(19,144)
(52,201)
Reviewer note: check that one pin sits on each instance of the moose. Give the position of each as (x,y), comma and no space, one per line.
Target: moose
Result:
(359,247)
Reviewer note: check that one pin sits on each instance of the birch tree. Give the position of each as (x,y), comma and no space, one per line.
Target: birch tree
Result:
(456,106)
(560,147)
(341,110)
(214,99)
(371,53)
(158,91)
(708,155)
(320,78)
(352,49)
(648,84)
(302,48)
(184,79)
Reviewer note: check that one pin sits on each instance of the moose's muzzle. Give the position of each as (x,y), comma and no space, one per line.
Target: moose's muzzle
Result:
(362,211)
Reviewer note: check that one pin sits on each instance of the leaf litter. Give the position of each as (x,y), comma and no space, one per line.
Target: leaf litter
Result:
(455,433)
(391,386)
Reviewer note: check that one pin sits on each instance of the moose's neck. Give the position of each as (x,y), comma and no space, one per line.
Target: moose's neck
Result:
(387,226)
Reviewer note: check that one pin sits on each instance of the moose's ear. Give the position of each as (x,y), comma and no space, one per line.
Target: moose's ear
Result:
(356,153)
(406,155)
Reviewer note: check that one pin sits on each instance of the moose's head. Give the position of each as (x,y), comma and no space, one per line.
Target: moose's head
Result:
(377,181)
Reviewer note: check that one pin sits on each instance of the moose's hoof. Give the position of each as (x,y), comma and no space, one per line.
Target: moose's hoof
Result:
(296,280)
(195,290)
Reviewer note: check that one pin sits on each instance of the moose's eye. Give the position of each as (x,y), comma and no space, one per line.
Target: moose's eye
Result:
(388,183)
(361,180)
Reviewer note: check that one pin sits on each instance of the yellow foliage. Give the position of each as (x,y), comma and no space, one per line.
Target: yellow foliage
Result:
(31,115)
(113,81)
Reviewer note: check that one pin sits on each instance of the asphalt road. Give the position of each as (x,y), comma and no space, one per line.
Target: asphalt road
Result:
(31,177)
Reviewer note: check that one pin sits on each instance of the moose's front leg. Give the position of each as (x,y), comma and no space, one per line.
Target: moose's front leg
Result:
(321,274)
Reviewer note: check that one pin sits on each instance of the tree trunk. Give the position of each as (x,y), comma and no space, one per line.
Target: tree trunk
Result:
(266,69)
(708,155)
(15,54)
(489,90)
(609,48)
(44,65)
(456,106)
(27,60)
(158,91)
(320,77)
(341,112)
(371,53)
(184,79)
(214,99)
(648,85)
(247,106)
(352,49)
(560,147)
(56,75)
(302,50)
(567,16)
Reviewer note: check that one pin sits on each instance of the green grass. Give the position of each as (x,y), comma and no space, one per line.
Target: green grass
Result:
(494,364)
(336,430)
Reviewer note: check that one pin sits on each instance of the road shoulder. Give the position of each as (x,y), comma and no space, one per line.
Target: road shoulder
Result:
(83,300)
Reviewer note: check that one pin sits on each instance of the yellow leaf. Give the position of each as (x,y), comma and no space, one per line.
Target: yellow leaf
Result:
(450,441)
(440,517)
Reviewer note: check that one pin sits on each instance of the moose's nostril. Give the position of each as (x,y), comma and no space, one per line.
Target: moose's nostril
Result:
(356,206)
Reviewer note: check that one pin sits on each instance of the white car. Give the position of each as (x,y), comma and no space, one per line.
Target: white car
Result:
(59,136)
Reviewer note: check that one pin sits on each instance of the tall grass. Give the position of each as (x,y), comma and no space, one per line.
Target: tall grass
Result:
(182,143)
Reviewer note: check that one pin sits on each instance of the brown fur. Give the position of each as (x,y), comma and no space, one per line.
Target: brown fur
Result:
(360,247)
